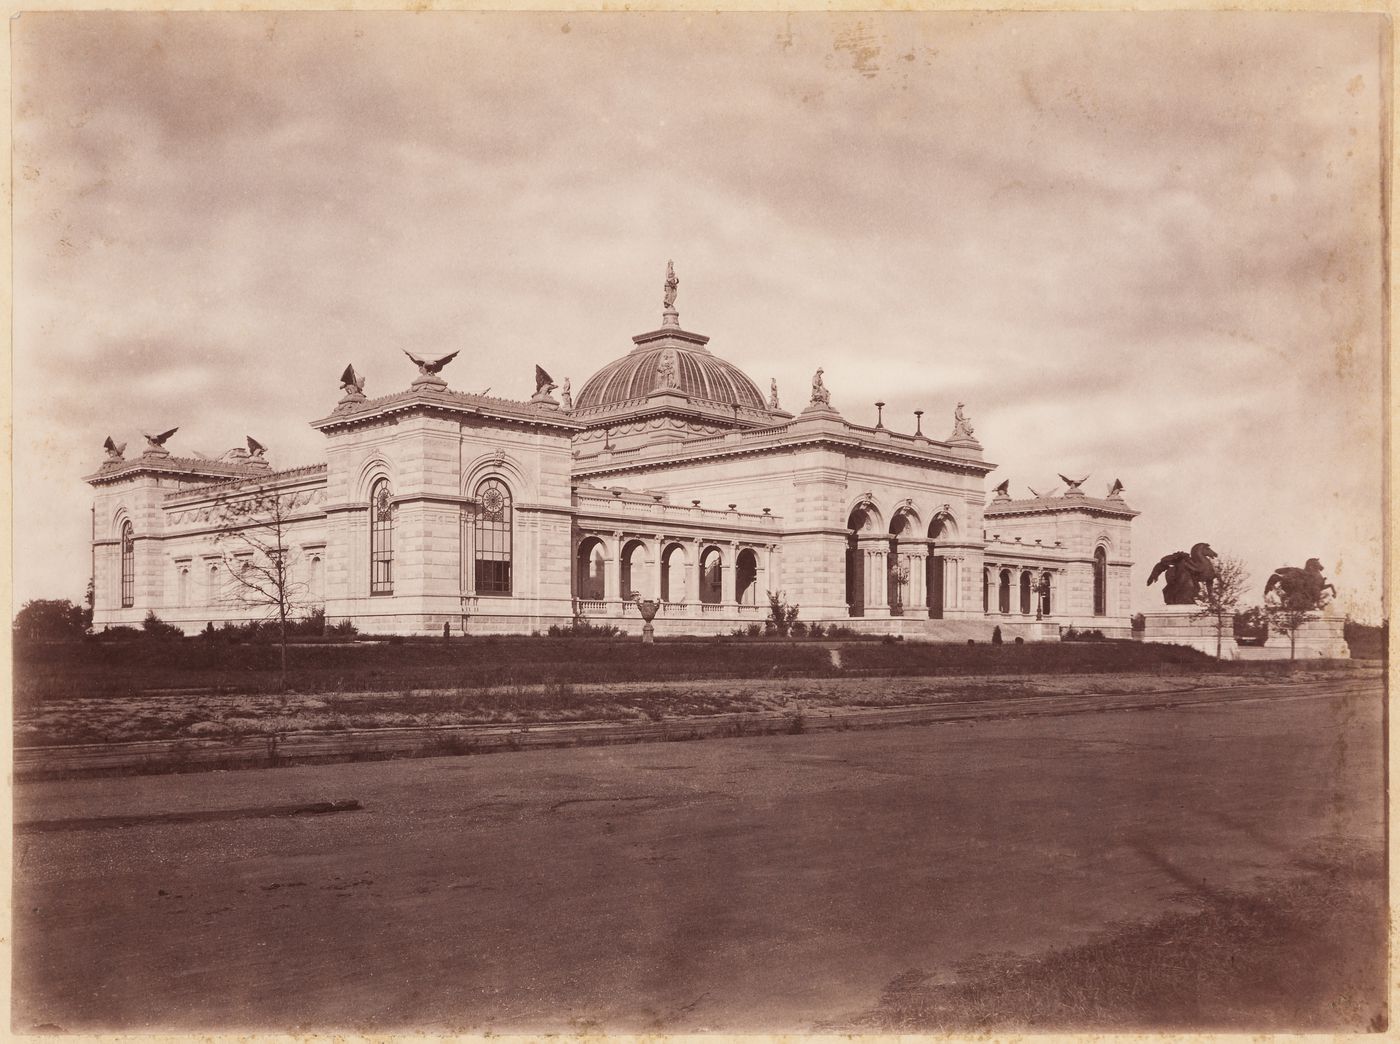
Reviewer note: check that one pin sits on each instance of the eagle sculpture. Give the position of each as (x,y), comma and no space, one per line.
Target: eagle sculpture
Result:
(544,383)
(114,449)
(352,383)
(1073,484)
(1116,489)
(1184,573)
(255,448)
(157,442)
(1299,588)
(1003,489)
(433,368)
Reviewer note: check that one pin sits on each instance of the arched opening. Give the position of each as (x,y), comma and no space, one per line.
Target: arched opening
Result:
(986,591)
(1004,592)
(940,528)
(634,571)
(128,566)
(1100,581)
(214,596)
(673,574)
(746,577)
(858,522)
(591,561)
(381,539)
(492,538)
(1025,593)
(183,587)
(711,576)
(316,581)
(898,581)
(1045,588)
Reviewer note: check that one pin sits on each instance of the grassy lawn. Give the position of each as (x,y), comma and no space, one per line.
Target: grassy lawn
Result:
(1305,953)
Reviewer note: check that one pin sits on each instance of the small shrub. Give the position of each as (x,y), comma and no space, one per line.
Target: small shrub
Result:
(1069,634)
(154,627)
(1139,623)
(816,630)
(1020,640)
(119,633)
(799,629)
(344,629)
(996,635)
(582,628)
(972,641)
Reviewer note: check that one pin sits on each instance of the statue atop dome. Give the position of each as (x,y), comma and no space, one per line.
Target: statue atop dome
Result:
(669,315)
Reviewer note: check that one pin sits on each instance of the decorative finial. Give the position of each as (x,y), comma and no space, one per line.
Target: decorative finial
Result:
(669,315)
(879,415)
(918,424)
(962,427)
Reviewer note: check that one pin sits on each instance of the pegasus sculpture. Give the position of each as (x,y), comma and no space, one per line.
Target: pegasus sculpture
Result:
(1299,588)
(1184,574)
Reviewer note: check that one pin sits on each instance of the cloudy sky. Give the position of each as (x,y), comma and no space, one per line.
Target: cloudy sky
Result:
(1137,246)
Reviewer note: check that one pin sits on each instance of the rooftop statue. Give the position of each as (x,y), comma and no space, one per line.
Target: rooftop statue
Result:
(1300,588)
(1115,491)
(256,449)
(544,383)
(351,383)
(821,395)
(156,443)
(1003,491)
(566,395)
(1184,574)
(773,394)
(1074,485)
(668,293)
(115,450)
(432,368)
(962,426)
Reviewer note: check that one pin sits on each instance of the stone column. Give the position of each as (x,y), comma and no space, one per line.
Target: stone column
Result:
(612,571)
(918,581)
(878,587)
(658,544)
(952,582)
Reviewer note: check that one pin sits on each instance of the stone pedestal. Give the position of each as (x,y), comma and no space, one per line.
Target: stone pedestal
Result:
(1320,638)
(1173,625)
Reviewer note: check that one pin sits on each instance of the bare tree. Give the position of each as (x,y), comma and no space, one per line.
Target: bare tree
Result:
(1218,599)
(254,531)
(1288,611)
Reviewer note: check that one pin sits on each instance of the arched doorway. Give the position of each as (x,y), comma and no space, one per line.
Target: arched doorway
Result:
(673,570)
(941,529)
(711,576)
(1045,588)
(746,577)
(1004,592)
(591,563)
(859,521)
(1025,593)
(897,588)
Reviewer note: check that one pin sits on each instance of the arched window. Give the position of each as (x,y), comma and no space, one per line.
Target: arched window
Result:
(316,588)
(184,586)
(589,575)
(1025,592)
(1100,582)
(493,546)
(381,539)
(1004,592)
(634,571)
(128,566)
(673,571)
(746,577)
(986,591)
(1045,587)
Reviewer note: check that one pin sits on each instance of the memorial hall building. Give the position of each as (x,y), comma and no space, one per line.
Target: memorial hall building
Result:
(669,475)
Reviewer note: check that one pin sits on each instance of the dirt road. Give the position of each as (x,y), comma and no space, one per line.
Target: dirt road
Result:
(761,884)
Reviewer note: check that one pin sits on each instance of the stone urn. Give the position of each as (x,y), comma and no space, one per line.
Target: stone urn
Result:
(648,607)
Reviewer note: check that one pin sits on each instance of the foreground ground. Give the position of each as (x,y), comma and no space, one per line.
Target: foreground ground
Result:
(771,883)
